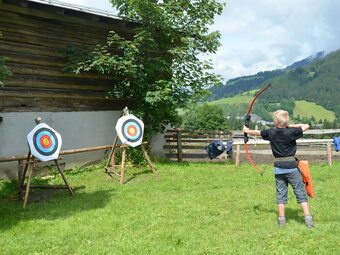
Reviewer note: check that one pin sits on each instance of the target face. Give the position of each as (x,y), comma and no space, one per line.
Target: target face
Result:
(44,142)
(130,130)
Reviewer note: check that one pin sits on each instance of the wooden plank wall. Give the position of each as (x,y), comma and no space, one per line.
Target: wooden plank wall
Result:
(33,35)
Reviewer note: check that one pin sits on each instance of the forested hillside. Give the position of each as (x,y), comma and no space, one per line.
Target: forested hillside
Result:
(245,83)
(318,82)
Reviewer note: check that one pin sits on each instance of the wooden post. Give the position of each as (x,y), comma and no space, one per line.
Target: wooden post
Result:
(238,152)
(20,177)
(329,153)
(146,156)
(122,168)
(111,160)
(64,178)
(179,145)
(30,170)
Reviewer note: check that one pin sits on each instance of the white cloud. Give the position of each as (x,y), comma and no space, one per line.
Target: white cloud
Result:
(267,34)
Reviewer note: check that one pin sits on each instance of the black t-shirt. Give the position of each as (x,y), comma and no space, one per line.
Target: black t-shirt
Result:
(283,144)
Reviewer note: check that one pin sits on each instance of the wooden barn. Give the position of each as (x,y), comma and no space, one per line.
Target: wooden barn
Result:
(34,34)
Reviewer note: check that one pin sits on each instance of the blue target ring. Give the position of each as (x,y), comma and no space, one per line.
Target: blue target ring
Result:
(50,146)
(132,124)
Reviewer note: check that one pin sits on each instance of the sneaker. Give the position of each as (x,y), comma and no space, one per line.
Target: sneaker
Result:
(309,221)
(281,220)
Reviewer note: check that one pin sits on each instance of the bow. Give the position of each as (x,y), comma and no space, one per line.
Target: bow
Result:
(246,123)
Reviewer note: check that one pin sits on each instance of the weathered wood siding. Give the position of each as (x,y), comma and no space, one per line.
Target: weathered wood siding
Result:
(33,36)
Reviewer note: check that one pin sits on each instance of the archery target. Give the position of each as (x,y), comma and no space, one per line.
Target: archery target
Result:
(44,142)
(130,130)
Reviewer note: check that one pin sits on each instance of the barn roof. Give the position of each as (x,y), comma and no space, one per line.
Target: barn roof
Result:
(76,7)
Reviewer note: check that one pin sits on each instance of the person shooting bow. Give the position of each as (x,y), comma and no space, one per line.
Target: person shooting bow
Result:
(282,140)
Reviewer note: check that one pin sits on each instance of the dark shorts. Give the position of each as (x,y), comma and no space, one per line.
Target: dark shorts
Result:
(294,179)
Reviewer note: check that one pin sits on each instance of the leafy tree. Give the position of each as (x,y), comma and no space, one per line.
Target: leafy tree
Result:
(161,65)
(205,117)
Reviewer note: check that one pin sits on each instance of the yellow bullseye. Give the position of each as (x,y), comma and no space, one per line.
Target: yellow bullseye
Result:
(46,141)
(132,131)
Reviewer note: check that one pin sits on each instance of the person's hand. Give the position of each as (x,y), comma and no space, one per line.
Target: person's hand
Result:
(245,129)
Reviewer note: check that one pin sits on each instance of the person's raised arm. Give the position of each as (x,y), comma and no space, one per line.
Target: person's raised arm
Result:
(304,127)
(251,132)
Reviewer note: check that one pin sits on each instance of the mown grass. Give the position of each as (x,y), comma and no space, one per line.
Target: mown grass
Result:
(191,208)
(309,109)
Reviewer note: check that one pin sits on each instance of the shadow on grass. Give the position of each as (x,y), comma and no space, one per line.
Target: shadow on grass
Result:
(136,174)
(291,214)
(57,205)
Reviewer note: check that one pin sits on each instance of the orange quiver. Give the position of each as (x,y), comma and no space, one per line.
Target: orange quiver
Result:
(306,177)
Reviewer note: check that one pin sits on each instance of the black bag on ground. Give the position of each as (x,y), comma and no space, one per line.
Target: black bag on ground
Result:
(215,149)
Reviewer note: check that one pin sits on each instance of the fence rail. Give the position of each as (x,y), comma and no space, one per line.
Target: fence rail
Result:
(190,145)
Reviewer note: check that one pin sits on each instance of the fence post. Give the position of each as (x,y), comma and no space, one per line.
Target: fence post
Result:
(238,152)
(329,153)
(179,145)
(20,176)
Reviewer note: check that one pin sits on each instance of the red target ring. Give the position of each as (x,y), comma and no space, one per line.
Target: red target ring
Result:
(45,141)
(130,130)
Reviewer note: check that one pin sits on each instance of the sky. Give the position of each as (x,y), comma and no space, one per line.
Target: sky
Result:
(266,34)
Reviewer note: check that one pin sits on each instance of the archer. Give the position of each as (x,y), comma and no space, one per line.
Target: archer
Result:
(283,144)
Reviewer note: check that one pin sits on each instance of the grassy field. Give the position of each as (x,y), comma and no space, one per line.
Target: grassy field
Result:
(244,98)
(302,108)
(309,109)
(189,209)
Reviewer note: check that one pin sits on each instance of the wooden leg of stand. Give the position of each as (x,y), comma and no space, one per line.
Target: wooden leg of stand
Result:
(148,160)
(30,170)
(122,169)
(64,178)
(111,159)
(23,176)
(20,177)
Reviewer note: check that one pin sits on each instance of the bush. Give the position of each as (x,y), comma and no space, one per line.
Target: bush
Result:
(206,117)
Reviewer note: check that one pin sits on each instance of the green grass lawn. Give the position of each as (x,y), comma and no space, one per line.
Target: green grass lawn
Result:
(190,208)
(309,109)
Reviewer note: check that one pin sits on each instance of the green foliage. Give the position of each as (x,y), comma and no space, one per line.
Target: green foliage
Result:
(246,83)
(75,55)
(205,117)
(191,208)
(160,66)
(242,84)
(4,71)
(318,82)
(134,156)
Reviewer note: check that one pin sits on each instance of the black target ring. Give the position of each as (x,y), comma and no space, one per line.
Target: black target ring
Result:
(50,133)
(134,122)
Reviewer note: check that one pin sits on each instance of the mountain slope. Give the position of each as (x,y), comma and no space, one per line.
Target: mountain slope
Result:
(306,61)
(318,82)
(304,109)
(245,83)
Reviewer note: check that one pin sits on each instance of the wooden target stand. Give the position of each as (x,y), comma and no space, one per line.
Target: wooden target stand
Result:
(31,163)
(110,167)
